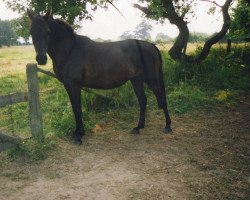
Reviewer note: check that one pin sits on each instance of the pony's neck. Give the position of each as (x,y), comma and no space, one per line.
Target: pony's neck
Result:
(61,42)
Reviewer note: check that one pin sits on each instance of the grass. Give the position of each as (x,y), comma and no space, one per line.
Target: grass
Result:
(13,60)
(218,80)
(31,151)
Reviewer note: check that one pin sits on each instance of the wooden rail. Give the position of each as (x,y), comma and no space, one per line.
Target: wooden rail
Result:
(9,99)
(7,141)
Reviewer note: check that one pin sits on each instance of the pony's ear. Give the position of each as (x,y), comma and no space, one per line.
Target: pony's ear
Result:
(48,15)
(30,14)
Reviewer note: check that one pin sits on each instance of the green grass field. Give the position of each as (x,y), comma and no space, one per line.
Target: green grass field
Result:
(219,79)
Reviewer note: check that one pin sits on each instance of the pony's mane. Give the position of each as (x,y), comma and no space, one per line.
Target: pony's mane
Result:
(65,25)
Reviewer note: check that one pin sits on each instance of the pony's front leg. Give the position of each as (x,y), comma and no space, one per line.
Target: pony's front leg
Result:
(74,92)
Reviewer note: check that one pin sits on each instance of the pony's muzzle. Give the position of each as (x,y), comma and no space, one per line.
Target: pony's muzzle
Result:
(41,59)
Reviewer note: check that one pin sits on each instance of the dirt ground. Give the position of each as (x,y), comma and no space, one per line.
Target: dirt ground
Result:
(206,157)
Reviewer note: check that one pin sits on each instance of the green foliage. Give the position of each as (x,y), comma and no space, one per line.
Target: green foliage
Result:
(7,34)
(220,78)
(219,71)
(21,27)
(225,71)
(240,25)
(70,11)
(181,7)
(156,7)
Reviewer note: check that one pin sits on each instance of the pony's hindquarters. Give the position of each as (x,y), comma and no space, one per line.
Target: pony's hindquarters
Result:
(154,79)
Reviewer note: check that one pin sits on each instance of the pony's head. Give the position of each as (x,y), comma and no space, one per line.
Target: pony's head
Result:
(40,33)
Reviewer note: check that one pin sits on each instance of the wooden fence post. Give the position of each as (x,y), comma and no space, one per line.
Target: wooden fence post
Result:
(36,123)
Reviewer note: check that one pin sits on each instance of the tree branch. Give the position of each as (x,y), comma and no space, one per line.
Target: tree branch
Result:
(115,7)
(178,50)
(145,10)
(212,2)
(217,37)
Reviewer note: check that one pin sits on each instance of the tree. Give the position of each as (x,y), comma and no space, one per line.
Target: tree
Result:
(177,11)
(21,27)
(127,35)
(72,11)
(7,34)
(240,27)
(161,37)
(67,9)
(142,31)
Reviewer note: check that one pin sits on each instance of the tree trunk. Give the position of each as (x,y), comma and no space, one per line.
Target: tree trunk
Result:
(178,50)
(229,42)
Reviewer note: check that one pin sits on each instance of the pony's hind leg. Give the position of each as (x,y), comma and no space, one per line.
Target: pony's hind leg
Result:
(168,120)
(142,99)
(160,95)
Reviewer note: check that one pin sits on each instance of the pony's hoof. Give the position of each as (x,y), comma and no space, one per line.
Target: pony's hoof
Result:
(77,142)
(167,130)
(134,131)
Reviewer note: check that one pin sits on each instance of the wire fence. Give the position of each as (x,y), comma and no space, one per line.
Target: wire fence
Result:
(12,102)
(14,114)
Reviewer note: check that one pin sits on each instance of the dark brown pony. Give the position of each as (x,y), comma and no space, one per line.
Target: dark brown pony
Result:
(80,62)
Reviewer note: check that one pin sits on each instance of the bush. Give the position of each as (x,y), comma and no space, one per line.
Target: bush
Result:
(192,85)
(219,71)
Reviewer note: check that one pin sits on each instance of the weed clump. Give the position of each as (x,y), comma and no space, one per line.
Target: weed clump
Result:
(31,151)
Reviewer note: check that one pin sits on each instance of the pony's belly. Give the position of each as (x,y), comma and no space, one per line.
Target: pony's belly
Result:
(105,85)
(108,79)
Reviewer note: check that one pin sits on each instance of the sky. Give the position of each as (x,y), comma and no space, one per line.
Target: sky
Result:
(110,24)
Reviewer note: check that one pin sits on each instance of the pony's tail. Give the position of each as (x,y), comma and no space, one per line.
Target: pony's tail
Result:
(162,93)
